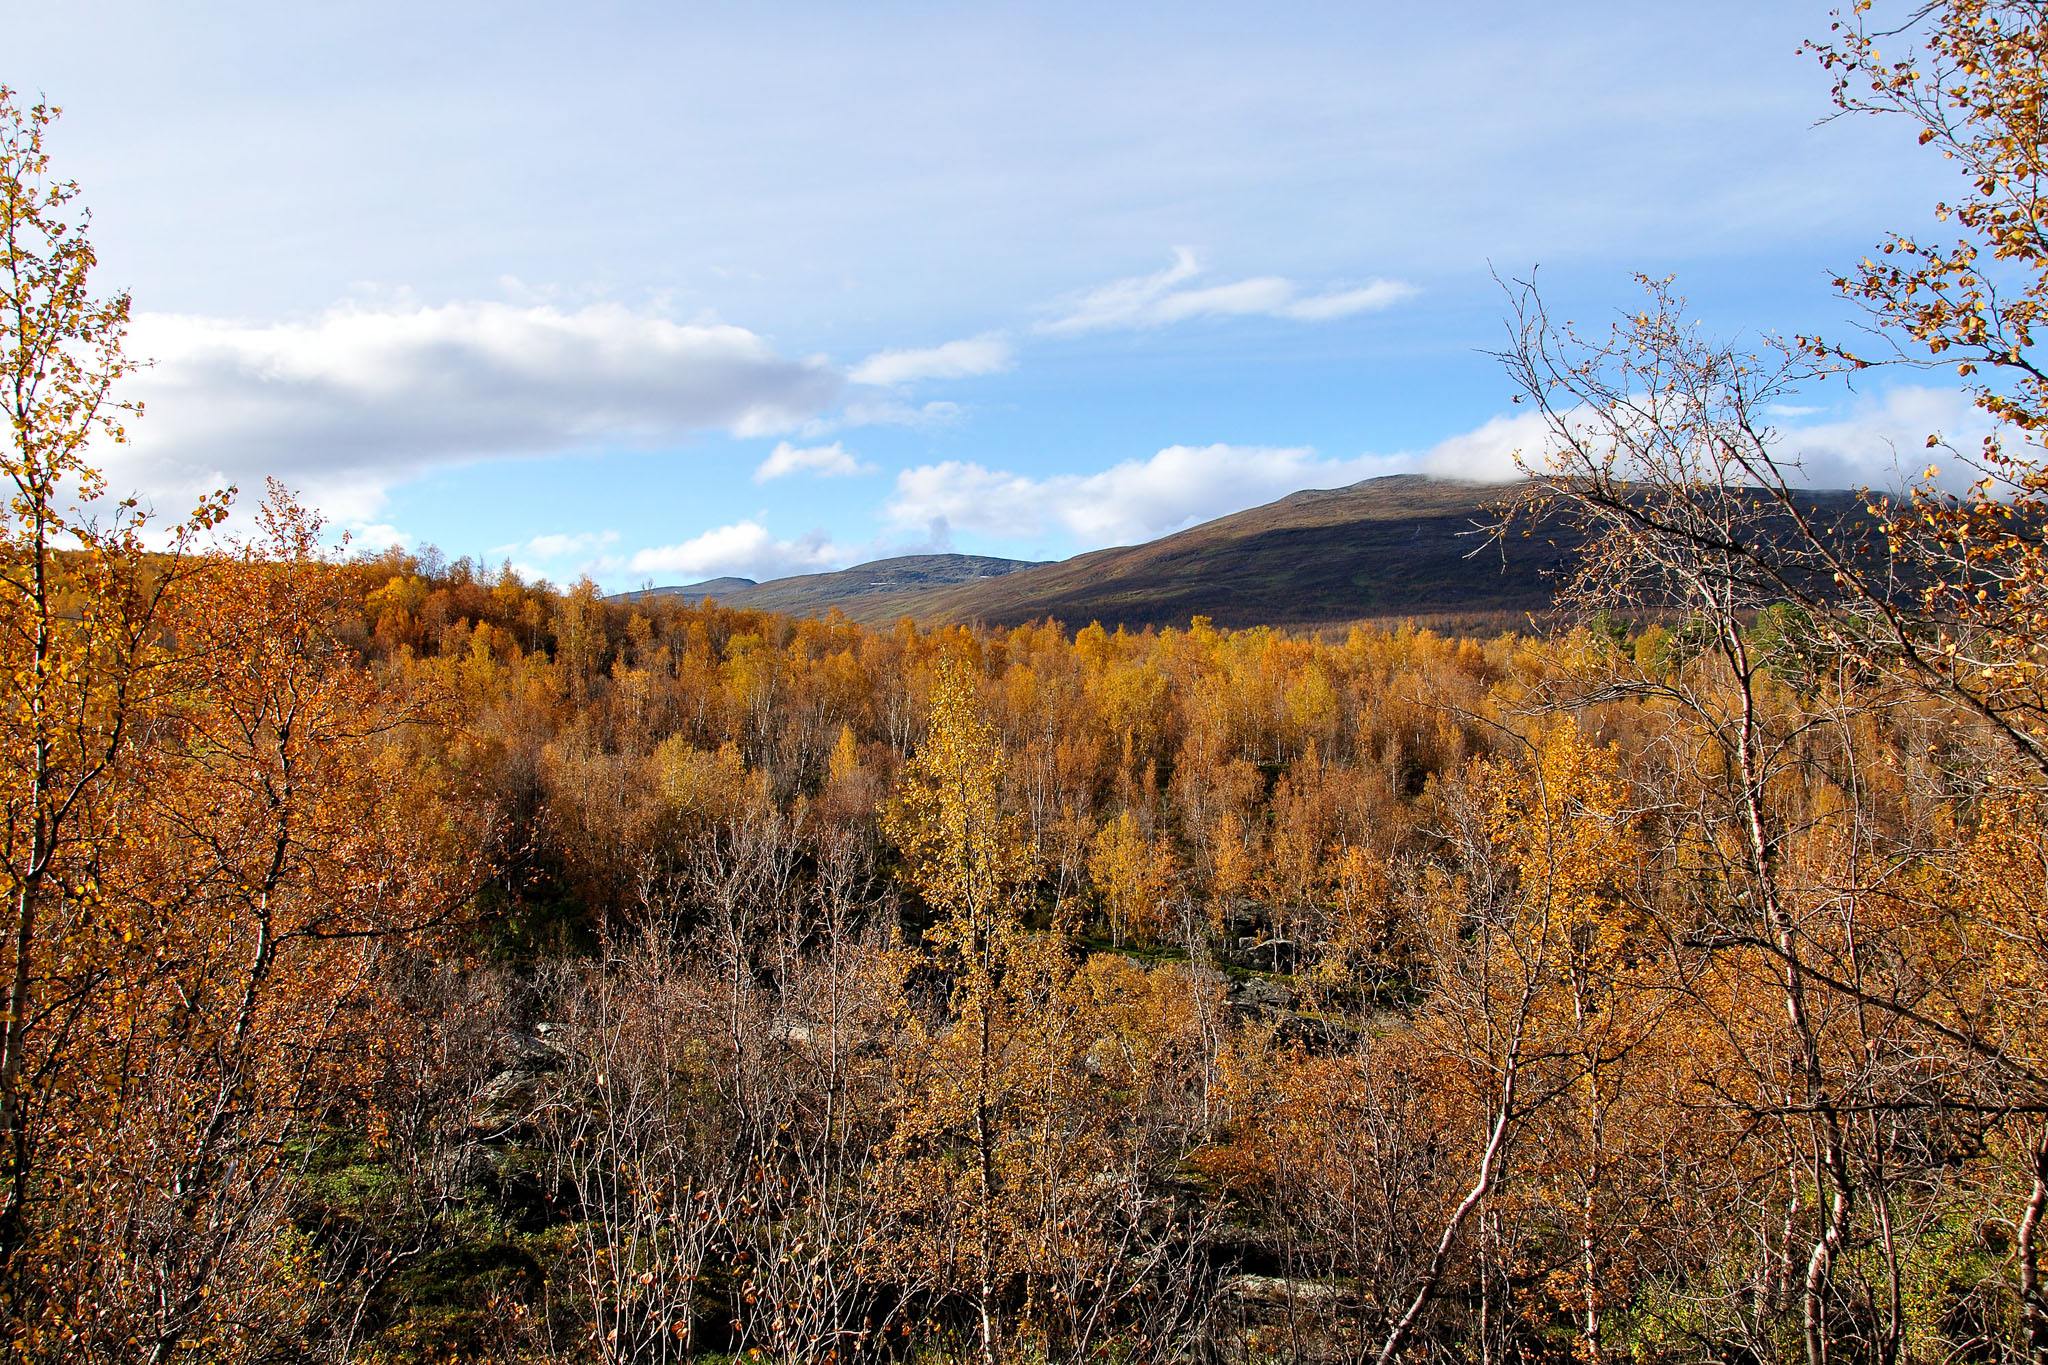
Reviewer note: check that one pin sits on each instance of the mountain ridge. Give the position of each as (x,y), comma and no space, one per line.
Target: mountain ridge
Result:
(1397,546)
(693,593)
(808,594)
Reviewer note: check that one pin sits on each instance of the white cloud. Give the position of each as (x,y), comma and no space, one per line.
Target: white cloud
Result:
(1138,500)
(1882,441)
(1379,294)
(938,413)
(370,537)
(1182,485)
(745,549)
(348,403)
(827,462)
(561,545)
(1129,502)
(1487,453)
(990,353)
(1879,442)
(1167,297)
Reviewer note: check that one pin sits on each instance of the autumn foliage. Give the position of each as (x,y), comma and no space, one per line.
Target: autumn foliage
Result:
(407,962)
(832,991)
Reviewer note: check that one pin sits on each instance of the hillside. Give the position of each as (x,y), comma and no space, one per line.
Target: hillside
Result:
(850,590)
(693,593)
(1401,545)
(1405,544)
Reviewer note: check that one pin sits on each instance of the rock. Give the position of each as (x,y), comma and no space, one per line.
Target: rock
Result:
(543,1051)
(1274,1292)
(795,1032)
(1261,993)
(505,1100)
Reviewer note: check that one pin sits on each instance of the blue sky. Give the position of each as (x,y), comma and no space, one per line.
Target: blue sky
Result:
(661,292)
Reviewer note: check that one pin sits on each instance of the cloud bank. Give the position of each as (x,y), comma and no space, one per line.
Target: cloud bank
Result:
(1879,442)
(347,403)
(1157,300)
(1486,454)
(1882,441)
(1132,501)
(1182,485)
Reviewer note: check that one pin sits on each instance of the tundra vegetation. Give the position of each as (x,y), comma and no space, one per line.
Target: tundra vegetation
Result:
(410,963)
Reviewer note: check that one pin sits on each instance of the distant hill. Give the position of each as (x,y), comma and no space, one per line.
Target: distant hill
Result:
(693,593)
(815,593)
(1402,545)
(1405,545)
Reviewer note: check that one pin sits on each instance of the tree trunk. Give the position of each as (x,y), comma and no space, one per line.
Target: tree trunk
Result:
(2033,1304)
(1489,1172)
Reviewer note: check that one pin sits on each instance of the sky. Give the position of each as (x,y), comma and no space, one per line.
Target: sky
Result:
(655,293)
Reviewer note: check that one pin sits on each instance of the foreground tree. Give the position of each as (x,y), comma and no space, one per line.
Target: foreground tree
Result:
(213,839)
(970,860)
(1658,444)
(1972,81)
(81,609)
(273,851)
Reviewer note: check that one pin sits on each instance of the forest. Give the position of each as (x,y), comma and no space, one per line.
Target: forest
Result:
(408,962)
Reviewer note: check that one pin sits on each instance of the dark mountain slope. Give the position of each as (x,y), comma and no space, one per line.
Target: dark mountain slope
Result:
(1401,546)
(1405,544)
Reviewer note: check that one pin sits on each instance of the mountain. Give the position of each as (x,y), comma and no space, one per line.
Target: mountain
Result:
(812,594)
(693,593)
(1405,545)
(1401,545)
